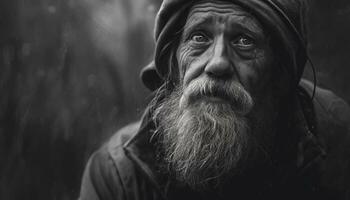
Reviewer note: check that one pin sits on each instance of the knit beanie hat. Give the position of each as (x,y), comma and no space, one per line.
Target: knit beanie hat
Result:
(284,18)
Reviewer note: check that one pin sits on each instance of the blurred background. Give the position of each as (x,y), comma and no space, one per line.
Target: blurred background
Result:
(69,78)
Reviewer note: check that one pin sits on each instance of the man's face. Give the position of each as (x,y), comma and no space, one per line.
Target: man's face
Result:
(224,63)
(223,42)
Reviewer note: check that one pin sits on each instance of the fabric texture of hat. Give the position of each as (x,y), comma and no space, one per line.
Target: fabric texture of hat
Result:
(285,18)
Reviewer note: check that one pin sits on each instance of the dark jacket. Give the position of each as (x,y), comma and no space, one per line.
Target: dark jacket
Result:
(315,164)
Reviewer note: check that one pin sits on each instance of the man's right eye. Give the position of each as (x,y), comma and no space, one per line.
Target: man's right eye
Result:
(199,38)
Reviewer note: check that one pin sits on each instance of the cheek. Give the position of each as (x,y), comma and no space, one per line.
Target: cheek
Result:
(255,73)
(188,59)
(184,59)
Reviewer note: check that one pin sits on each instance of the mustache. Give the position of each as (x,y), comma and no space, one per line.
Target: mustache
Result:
(230,91)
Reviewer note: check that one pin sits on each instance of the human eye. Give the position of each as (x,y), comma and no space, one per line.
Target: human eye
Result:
(244,42)
(199,37)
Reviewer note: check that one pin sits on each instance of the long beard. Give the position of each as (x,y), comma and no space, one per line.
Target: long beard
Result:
(203,143)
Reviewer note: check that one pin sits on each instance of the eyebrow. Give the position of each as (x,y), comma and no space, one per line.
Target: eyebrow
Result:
(194,24)
(245,22)
(250,25)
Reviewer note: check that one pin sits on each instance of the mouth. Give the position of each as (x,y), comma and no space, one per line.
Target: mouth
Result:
(215,99)
(217,95)
(227,93)
(207,98)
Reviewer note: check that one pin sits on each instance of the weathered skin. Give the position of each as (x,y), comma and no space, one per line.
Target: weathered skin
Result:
(222,41)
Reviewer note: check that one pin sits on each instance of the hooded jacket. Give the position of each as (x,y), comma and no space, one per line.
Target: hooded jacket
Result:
(318,167)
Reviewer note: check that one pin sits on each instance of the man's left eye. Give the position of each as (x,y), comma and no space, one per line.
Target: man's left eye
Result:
(244,42)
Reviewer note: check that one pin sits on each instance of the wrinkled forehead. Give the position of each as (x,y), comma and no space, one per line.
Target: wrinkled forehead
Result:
(223,12)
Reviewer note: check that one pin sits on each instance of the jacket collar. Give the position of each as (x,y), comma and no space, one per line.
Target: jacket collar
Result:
(141,150)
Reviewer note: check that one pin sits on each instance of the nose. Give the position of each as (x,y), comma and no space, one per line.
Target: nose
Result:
(219,65)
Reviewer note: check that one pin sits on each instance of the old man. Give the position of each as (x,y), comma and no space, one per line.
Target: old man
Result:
(231,117)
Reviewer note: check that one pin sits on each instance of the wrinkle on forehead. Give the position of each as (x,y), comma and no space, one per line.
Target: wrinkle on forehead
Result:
(222,12)
(219,5)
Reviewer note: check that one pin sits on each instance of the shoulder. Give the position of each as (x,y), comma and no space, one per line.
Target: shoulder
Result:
(100,176)
(332,115)
(116,150)
(124,134)
(330,109)
(108,168)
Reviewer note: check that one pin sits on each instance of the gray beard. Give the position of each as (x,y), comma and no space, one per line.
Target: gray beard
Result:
(203,143)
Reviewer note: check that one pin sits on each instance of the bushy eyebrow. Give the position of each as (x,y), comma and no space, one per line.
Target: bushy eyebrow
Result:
(247,23)
(241,21)
(194,23)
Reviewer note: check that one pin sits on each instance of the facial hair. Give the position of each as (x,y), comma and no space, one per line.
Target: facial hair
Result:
(205,142)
